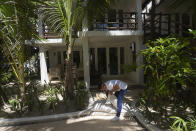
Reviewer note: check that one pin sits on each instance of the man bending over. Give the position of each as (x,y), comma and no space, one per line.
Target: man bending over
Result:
(119,88)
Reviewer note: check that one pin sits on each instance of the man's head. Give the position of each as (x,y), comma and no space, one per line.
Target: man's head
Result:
(103,88)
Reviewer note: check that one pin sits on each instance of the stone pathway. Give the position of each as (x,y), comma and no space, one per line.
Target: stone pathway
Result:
(86,124)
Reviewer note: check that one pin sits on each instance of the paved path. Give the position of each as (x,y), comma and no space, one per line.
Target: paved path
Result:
(79,124)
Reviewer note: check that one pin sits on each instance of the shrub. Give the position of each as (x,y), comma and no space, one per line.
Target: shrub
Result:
(16,105)
(168,68)
(51,93)
(180,124)
(80,94)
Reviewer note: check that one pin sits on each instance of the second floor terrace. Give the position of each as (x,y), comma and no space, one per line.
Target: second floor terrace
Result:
(129,18)
(159,24)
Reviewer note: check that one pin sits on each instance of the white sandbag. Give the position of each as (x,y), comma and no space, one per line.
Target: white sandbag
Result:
(100,106)
(113,100)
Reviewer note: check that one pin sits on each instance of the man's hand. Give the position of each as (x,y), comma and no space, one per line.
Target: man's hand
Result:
(116,88)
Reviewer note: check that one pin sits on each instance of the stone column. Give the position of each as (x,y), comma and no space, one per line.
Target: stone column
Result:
(86,62)
(43,66)
(139,61)
(139,14)
(139,42)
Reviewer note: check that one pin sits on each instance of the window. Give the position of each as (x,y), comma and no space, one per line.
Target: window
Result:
(177,23)
(122,60)
(76,58)
(102,62)
(100,23)
(185,24)
(112,18)
(59,57)
(120,15)
(92,59)
(193,21)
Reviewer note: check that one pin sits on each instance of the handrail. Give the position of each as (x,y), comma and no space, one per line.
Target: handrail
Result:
(127,21)
(163,23)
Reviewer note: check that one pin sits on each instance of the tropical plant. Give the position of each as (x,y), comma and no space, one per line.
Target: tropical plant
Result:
(66,16)
(60,16)
(32,96)
(5,77)
(167,68)
(17,24)
(80,94)
(193,32)
(16,105)
(52,97)
(180,124)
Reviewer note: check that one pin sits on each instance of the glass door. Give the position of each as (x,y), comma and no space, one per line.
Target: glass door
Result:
(102,61)
(113,55)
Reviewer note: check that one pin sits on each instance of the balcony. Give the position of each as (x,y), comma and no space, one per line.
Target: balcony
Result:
(115,21)
(164,24)
(125,23)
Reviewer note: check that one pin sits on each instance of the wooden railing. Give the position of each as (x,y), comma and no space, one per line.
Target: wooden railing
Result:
(123,21)
(165,24)
(153,24)
(50,34)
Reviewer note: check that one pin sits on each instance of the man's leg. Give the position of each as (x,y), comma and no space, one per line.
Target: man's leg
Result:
(120,101)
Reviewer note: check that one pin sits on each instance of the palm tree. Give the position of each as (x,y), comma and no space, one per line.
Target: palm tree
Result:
(66,16)
(17,24)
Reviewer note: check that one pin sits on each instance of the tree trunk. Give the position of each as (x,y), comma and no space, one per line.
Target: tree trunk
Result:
(22,82)
(68,77)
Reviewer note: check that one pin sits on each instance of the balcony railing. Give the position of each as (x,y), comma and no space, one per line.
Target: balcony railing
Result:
(166,24)
(153,24)
(48,33)
(121,21)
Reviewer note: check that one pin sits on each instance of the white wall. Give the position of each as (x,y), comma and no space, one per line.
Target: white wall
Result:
(118,42)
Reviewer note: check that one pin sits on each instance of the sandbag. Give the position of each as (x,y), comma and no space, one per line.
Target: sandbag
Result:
(100,106)
(112,99)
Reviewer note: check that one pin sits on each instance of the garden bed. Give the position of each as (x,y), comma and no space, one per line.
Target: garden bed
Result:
(162,118)
(42,100)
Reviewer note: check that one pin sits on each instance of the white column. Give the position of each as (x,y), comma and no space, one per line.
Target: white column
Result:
(139,61)
(139,14)
(43,67)
(86,62)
